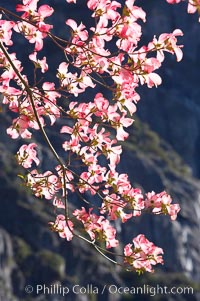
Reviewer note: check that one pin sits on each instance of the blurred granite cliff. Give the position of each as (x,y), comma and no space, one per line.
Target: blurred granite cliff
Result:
(163,152)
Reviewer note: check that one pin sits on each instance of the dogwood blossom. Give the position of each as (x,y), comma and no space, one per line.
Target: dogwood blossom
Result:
(143,255)
(27,154)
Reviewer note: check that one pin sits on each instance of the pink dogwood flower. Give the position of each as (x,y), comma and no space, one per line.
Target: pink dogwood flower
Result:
(63,227)
(143,255)
(27,154)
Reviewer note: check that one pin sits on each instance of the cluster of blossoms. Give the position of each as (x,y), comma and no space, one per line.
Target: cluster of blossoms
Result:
(91,130)
(97,227)
(143,255)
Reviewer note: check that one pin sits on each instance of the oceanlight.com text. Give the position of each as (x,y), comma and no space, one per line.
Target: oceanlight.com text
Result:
(90,289)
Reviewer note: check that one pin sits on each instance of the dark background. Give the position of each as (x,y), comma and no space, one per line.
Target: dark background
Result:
(162,153)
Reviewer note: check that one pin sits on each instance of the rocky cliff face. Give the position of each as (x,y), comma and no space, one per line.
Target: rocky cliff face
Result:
(7,265)
(162,153)
(176,102)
